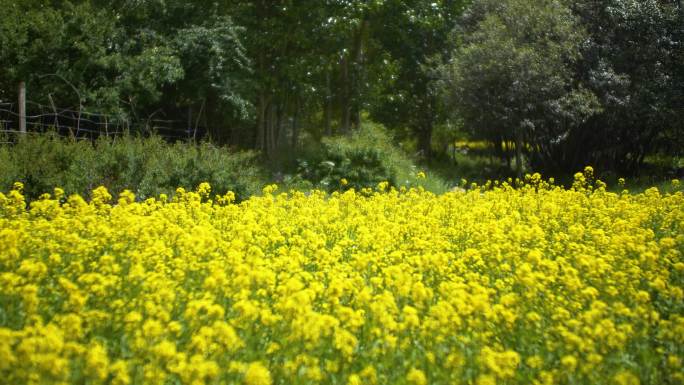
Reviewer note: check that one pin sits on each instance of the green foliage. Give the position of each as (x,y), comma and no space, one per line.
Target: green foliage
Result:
(511,77)
(146,166)
(632,61)
(414,36)
(356,158)
(578,82)
(121,58)
(361,159)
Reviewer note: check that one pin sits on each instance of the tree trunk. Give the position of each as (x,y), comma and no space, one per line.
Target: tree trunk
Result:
(199,116)
(346,97)
(507,154)
(425,140)
(295,127)
(358,74)
(352,61)
(212,118)
(235,137)
(270,129)
(518,152)
(261,123)
(328,106)
(189,119)
(281,131)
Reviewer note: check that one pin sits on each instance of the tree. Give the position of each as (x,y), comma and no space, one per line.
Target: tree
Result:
(511,78)
(121,57)
(414,36)
(200,45)
(52,53)
(632,60)
(309,61)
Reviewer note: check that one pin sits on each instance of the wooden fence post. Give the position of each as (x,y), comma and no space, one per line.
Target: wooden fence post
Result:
(22,107)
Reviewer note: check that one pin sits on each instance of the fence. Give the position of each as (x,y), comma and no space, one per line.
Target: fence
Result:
(88,125)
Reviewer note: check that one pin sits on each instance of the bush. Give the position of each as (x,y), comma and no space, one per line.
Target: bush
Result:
(363,159)
(146,166)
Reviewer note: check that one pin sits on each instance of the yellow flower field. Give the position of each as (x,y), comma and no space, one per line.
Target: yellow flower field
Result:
(535,284)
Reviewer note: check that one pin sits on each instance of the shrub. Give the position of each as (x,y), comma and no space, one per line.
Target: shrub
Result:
(146,166)
(364,159)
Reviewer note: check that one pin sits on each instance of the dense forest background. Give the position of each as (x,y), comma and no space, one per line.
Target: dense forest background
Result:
(549,85)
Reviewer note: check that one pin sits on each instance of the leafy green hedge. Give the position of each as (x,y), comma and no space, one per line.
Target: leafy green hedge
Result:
(146,166)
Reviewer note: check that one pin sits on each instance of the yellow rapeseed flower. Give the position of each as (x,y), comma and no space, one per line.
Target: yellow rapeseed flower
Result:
(257,374)
(515,282)
(416,377)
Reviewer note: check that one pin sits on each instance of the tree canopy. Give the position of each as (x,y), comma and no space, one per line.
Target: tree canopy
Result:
(571,83)
(553,83)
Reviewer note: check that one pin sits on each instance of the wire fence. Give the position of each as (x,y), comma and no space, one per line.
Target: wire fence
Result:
(81,124)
